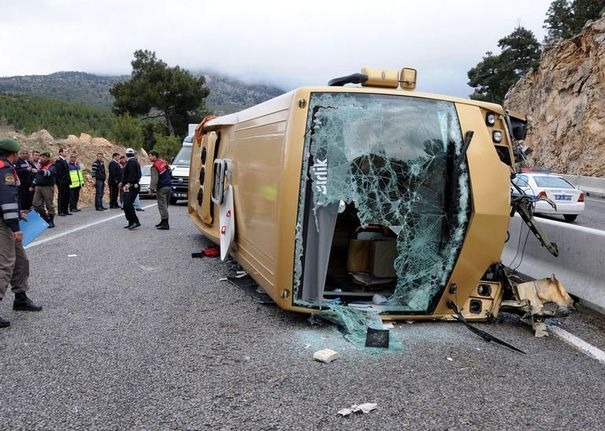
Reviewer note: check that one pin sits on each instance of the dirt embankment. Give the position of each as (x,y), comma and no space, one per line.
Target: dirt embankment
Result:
(85,146)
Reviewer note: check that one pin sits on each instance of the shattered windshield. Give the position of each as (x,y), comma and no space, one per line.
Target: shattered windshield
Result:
(396,160)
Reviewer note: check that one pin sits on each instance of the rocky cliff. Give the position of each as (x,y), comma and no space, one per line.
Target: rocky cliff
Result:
(564,100)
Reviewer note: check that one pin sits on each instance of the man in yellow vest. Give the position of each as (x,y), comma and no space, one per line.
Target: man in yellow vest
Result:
(76,182)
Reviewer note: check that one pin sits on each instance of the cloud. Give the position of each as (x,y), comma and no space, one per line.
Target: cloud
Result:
(303,43)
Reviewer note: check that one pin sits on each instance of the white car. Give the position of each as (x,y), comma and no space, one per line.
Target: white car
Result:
(145,181)
(542,187)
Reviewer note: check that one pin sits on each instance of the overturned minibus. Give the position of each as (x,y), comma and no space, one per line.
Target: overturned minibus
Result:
(361,192)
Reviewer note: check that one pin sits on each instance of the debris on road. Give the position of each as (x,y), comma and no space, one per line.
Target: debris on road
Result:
(207,252)
(363,328)
(539,299)
(364,408)
(325,355)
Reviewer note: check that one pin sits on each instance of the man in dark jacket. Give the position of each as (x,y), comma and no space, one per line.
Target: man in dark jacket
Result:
(130,184)
(115,176)
(14,266)
(44,189)
(26,171)
(99,174)
(63,182)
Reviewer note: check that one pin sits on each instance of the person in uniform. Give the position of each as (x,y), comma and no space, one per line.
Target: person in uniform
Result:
(161,180)
(26,171)
(63,180)
(130,185)
(77,181)
(44,189)
(14,265)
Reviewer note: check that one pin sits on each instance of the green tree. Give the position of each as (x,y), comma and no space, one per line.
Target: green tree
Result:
(566,18)
(584,11)
(492,77)
(167,146)
(156,90)
(127,131)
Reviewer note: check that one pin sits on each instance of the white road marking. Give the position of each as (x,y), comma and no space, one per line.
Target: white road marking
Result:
(76,229)
(578,343)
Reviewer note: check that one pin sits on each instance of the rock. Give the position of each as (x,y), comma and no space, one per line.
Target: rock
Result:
(325,355)
(564,99)
(101,142)
(41,137)
(85,137)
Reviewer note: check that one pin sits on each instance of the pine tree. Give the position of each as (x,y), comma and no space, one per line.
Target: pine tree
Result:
(495,74)
(156,90)
(566,18)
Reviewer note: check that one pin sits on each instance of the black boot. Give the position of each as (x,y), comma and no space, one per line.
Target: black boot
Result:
(23,303)
(160,223)
(163,225)
(4,323)
(51,221)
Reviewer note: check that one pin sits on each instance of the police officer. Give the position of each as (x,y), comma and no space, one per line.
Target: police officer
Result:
(130,184)
(14,266)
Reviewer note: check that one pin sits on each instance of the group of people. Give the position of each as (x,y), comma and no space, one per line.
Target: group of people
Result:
(29,183)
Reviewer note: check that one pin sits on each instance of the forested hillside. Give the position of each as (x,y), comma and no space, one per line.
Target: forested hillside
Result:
(226,94)
(31,113)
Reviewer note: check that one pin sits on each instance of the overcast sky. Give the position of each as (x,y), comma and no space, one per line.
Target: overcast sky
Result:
(285,43)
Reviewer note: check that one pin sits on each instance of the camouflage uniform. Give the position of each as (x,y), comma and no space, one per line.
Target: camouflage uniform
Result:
(14,266)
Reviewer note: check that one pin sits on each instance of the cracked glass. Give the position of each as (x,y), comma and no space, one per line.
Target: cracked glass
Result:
(397,162)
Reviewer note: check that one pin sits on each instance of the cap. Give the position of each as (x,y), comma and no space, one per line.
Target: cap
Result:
(129,152)
(9,145)
(45,153)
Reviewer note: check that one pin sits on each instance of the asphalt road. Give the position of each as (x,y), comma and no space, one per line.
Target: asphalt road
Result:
(135,334)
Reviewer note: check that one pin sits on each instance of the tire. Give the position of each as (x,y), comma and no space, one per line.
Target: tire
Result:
(173,201)
(570,217)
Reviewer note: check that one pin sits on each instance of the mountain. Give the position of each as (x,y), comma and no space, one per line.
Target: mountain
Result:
(564,99)
(227,94)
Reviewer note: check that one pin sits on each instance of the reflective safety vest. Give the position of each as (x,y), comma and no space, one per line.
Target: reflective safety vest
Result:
(75,175)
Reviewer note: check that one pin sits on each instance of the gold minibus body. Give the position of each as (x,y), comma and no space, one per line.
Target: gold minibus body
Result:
(358,196)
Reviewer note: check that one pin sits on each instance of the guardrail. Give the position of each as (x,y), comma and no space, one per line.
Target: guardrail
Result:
(592,186)
(580,265)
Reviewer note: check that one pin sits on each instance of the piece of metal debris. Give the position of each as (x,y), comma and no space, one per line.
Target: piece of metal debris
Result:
(539,299)
(325,355)
(487,337)
(364,408)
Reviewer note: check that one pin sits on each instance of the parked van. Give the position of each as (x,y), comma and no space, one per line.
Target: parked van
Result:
(362,195)
(180,171)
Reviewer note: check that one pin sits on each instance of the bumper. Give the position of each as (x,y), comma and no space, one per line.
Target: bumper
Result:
(575,208)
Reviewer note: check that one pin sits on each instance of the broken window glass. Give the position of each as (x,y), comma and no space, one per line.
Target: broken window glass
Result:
(396,160)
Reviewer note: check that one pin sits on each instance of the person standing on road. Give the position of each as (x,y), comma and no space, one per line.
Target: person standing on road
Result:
(130,185)
(161,180)
(115,176)
(122,163)
(44,190)
(14,266)
(99,174)
(77,181)
(26,171)
(62,172)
